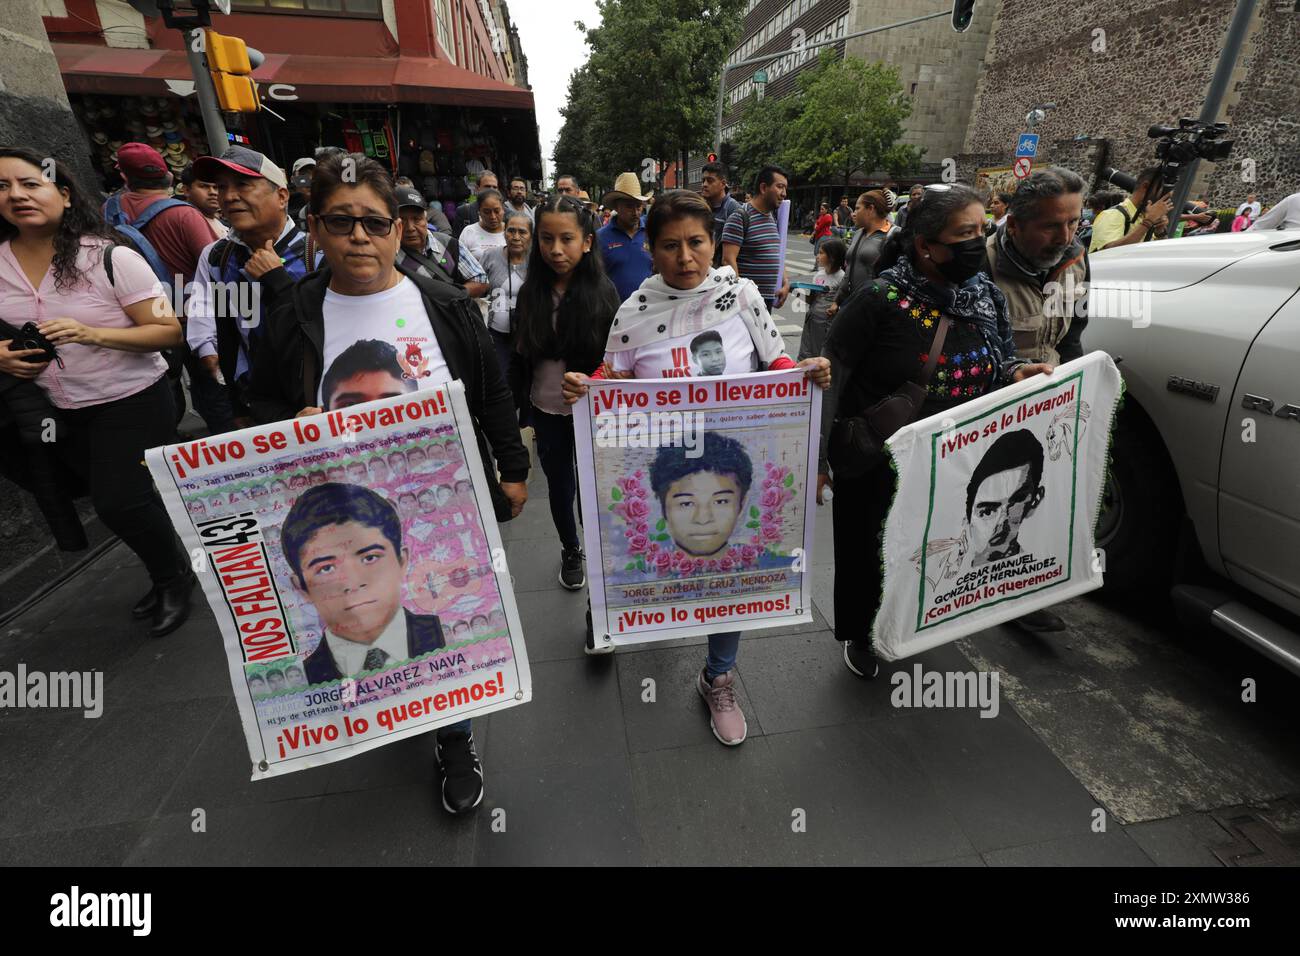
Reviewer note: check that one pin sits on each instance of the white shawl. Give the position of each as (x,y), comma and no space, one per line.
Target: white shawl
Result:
(657,311)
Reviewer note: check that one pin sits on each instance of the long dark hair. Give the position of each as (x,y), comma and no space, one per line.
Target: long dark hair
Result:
(82,218)
(927,217)
(581,324)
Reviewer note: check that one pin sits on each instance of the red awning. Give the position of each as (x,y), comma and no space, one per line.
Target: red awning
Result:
(315,79)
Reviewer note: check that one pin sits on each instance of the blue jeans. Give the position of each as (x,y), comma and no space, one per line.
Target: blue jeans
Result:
(722,654)
(462,725)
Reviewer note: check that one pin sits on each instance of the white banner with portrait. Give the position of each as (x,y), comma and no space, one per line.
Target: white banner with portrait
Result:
(996,506)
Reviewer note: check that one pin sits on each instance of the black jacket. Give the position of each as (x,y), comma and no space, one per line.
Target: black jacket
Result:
(286,376)
(423,634)
(586,361)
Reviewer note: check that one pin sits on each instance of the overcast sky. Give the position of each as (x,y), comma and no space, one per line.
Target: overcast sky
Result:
(555,48)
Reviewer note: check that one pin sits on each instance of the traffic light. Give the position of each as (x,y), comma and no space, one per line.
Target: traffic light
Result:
(231,70)
(712,157)
(963,11)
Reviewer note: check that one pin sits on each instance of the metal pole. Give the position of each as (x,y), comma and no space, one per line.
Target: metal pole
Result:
(767,57)
(213,125)
(1237,31)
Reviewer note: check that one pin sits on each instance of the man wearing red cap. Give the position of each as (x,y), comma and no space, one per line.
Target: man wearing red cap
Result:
(178,234)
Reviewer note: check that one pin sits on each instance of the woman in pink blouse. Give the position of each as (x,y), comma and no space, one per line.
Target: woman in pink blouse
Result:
(105,379)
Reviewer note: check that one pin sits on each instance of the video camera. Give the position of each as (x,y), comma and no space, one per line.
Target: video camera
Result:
(1178,145)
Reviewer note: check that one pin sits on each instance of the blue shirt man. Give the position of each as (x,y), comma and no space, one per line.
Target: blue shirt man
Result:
(624,245)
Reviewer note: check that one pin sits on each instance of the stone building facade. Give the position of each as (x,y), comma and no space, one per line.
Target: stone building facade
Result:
(937,67)
(1115,67)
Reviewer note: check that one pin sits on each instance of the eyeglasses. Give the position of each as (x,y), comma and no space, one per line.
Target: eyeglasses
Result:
(338,225)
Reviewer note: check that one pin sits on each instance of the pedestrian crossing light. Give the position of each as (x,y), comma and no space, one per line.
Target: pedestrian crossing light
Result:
(963,11)
(231,69)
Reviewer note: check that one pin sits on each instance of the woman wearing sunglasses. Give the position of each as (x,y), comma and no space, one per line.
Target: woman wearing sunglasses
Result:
(390,331)
(930,298)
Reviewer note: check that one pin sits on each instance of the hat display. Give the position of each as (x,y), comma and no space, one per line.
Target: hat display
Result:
(626,186)
(242,160)
(99,138)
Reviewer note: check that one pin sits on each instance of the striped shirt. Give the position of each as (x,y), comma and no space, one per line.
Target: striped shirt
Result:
(759,258)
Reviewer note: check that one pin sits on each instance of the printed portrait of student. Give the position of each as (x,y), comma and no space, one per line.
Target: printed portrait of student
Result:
(702,498)
(397,466)
(652,337)
(709,353)
(417,460)
(275,681)
(343,544)
(335,473)
(378,470)
(295,677)
(256,686)
(407,506)
(357,472)
(353,296)
(1005,489)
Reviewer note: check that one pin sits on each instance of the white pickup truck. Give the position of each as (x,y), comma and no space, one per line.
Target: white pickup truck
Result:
(1206,454)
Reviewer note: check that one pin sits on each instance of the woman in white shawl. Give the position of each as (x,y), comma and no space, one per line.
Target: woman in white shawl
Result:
(689,319)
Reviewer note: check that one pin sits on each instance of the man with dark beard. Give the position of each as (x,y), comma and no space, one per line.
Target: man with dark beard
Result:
(1041,267)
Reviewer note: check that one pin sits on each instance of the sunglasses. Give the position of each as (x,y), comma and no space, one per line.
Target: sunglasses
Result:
(339,225)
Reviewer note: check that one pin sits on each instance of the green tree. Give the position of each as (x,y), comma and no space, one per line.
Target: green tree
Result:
(850,119)
(760,137)
(647,89)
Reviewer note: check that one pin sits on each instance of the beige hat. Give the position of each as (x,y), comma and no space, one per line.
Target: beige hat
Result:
(627,186)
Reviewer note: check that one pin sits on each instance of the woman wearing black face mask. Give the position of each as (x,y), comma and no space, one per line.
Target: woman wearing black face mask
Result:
(930,294)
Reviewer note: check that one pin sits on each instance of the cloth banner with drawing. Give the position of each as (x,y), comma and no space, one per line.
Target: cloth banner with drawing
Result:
(996,506)
(353,563)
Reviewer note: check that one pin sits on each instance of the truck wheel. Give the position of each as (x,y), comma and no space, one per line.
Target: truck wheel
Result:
(1141,507)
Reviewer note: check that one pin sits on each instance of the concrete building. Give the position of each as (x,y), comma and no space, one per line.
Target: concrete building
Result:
(1114,68)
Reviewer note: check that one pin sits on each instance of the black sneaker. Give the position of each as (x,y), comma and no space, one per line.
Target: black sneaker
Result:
(572,576)
(1040,622)
(462,772)
(859,659)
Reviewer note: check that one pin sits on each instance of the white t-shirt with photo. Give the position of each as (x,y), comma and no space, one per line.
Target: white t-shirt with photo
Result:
(693,355)
(396,316)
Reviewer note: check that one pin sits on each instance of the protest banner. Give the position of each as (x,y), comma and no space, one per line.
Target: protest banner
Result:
(996,505)
(695,499)
(353,563)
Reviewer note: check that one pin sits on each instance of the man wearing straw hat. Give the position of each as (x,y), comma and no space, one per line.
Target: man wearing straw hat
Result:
(623,242)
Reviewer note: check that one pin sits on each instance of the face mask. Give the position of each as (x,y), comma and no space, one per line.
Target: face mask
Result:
(967,259)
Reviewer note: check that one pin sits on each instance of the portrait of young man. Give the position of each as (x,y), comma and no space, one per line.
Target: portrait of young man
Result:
(1005,489)
(702,498)
(343,544)
(365,371)
(709,354)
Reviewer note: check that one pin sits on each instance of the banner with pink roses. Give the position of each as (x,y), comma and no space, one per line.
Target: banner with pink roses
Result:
(696,503)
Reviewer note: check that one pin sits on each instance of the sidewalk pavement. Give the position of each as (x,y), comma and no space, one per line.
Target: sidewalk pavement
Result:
(584,774)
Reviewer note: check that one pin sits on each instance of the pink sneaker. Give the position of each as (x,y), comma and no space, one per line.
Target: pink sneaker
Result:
(725,716)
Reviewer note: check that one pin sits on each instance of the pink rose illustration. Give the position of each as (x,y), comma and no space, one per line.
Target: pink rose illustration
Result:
(771,498)
(637,508)
(748,553)
(637,544)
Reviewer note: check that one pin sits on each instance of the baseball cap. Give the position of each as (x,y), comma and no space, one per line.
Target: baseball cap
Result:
(241,159)
(141,161)
(406,196)
(300,164)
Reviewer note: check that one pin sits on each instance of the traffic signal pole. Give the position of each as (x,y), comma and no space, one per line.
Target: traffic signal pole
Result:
(213,124)
(769,57)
